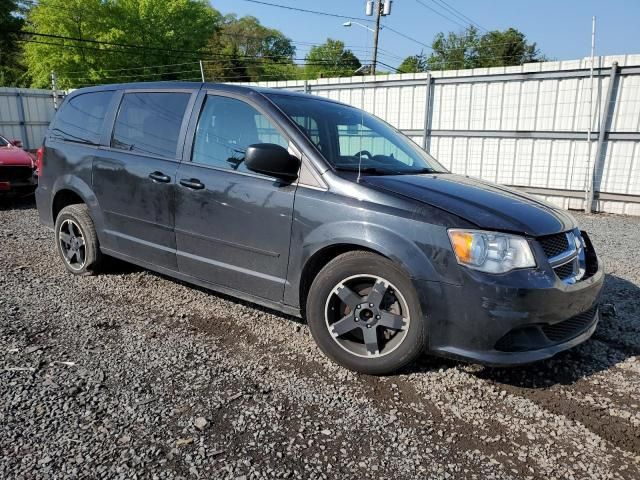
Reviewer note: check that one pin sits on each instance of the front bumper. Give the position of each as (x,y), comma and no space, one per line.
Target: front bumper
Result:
(18,186)
(512,319)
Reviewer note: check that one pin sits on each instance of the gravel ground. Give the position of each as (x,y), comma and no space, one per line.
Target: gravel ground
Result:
(133,375)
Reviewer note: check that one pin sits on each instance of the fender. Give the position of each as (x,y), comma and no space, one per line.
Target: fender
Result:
(427,261)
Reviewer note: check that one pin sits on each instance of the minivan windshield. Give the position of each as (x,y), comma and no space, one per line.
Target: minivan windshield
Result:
(351,139)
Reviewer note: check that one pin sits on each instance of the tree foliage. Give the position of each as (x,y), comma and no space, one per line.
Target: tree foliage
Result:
(169,29)
(12,72)
(469,49)
(413,64)
(242,49)
(509,47)
(331,59)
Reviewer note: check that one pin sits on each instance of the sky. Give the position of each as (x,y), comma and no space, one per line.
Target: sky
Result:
(561,28)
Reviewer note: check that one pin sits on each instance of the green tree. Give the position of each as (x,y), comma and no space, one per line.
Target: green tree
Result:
(330,59)
(12,71)
(471,50)
(509,47)
(264,53)
(454,50)
(169,29)
(413,64)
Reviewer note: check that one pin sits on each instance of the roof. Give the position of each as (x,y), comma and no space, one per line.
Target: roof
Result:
(230,87)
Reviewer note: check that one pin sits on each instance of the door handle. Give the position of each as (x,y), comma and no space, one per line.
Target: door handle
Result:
(159,177)
(192,183)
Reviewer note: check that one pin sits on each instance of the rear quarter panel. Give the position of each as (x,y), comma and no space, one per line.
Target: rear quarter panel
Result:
(66,166)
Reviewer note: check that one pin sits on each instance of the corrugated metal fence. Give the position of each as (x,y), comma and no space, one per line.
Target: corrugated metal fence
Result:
(525,126)
(25,114)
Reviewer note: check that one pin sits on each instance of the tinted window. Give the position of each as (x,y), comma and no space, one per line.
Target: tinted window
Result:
(310,128)
(149,123)
(226,128)
(355,140)
(3,142)
(81,117)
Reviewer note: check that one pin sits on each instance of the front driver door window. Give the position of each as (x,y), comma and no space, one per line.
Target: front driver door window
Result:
(226,128)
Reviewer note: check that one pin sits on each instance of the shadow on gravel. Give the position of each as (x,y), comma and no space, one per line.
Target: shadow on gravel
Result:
(115,266)
(10,202)
(229,298)
(615,340)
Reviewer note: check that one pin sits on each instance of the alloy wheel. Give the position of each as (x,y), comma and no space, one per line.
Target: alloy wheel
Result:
(72,244)
(367,316)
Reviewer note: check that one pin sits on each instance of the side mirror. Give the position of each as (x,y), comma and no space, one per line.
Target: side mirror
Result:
(273,160)
(16,143)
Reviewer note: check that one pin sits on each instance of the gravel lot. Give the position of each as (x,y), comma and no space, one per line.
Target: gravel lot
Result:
(133,375)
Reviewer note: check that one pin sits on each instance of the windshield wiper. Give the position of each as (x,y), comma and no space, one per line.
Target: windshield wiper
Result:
(417,172)
(367,170)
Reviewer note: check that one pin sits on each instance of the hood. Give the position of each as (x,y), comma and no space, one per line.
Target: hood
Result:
(489,206)
(11,155)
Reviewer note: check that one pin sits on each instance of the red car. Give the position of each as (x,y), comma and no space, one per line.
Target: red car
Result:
(17,168)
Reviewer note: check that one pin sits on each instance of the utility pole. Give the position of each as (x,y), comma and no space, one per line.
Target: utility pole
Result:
(588,200)
(375,37)
(380,8)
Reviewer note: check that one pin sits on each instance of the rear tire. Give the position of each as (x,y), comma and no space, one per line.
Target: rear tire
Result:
(76,240)
(364,314)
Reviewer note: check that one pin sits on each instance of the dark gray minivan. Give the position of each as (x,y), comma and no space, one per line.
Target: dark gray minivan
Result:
(316,209)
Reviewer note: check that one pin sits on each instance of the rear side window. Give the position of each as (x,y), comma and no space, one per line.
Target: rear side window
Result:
(149,123)
(81,117)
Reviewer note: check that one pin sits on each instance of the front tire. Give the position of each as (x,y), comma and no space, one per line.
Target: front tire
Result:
(364,314)
(76,240)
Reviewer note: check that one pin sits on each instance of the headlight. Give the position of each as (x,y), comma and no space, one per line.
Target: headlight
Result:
(491,252)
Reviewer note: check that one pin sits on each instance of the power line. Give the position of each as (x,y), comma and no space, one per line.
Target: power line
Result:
(298,73)
(335,15)
(192,53)
(257,37)
(304,10)
(264,59)
(259,60)
(136,68)
(458,14)
(441,14)
(386,27)
(197,54)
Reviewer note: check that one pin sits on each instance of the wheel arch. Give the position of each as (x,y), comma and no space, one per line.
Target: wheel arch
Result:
(319,259)
(63,198)
(378,240)
(71,189)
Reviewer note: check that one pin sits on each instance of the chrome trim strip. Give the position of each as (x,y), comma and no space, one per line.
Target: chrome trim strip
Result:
(563,258)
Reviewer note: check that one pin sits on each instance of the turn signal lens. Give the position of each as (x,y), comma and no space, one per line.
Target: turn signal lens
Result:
(491,252)
(462,244)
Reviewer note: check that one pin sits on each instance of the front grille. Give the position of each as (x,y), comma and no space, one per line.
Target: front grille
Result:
(563,331)
(566,245)
(554,245)
(564,271)
(15,174)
